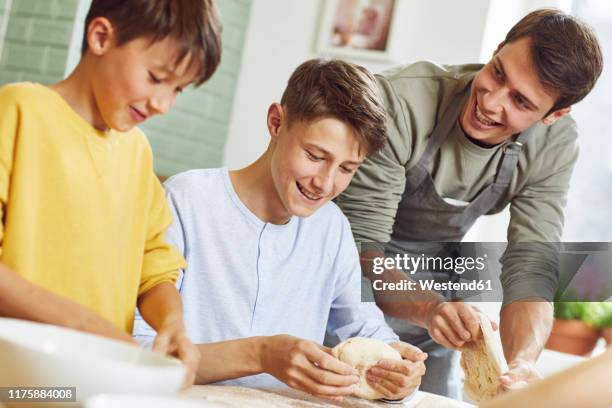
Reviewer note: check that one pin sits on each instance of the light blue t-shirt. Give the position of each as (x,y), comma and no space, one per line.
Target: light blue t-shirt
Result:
(246,277)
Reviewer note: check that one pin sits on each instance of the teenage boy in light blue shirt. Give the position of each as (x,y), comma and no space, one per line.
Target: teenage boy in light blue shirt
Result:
(272,261)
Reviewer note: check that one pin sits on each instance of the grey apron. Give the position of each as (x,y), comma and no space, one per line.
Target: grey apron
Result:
(431,222)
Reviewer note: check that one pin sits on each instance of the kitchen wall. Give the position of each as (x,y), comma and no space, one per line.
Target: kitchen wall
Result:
(502,15)
(38,35)
(282,34)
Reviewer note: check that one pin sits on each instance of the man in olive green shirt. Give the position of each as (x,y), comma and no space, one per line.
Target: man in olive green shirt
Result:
(464,141)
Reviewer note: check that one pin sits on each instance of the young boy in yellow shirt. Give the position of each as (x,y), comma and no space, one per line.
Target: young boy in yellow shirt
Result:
(83,214)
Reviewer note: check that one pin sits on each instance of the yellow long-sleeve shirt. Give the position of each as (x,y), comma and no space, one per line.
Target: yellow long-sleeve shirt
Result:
(83,214)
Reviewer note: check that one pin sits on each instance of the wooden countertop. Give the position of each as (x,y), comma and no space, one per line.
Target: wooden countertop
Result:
(289,398)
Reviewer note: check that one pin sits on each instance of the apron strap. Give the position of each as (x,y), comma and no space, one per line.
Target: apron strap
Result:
(443,127)
(511,152)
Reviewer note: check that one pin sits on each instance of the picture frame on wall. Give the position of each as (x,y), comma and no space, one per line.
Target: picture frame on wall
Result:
(357,28)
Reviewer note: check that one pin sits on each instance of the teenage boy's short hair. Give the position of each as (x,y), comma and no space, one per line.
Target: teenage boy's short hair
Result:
(334,88)
(194,24)
(565,52)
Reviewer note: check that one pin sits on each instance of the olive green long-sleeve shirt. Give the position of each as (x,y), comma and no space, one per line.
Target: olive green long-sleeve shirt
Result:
(416,96)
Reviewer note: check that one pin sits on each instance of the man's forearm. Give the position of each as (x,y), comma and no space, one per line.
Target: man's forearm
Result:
(524,329)
(231,359)
(414,306)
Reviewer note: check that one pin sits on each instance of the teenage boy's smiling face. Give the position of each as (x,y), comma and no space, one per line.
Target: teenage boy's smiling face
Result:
(313,162)
(506,96)
(137,80)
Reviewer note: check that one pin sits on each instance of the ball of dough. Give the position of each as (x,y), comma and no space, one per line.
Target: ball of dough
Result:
(361,354)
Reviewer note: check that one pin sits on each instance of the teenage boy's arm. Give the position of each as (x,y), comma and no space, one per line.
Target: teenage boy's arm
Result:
(301,364)
(530,263)
(22,299)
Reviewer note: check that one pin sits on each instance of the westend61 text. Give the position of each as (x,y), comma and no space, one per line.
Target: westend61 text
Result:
(404,284)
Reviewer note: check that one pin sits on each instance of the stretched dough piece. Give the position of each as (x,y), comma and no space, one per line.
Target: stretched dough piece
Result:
(362,353)
(483,362)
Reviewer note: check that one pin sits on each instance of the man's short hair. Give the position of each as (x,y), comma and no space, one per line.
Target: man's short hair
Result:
(194,24)
(565,52)
(333,88)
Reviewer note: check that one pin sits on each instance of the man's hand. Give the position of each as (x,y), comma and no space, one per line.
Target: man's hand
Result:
(521,372)
(524,328)
(172,340)
(452,324)
(398,379)
(307,366)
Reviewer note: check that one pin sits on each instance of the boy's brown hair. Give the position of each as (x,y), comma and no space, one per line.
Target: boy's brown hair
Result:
(194,24)
(333,88)
(565,52)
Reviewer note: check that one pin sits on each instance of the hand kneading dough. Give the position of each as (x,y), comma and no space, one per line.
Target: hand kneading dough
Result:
(362,353)
(483,362)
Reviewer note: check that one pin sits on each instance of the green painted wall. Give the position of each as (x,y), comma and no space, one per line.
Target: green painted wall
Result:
(40,45)
(2,7)
(37,40)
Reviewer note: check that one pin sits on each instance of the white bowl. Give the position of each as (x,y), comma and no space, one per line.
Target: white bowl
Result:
(144,401)
(40,355)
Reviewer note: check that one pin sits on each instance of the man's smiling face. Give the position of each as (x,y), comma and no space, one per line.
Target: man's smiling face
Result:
(507,96)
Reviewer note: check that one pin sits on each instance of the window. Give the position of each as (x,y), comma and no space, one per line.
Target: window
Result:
(589,208)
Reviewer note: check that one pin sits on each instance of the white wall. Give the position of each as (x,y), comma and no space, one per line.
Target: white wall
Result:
(282,34)
(74,52)
(503,14)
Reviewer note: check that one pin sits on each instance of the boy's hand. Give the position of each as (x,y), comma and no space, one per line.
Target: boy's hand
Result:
(398,379)
(172,340)
(161,307)
(307,366)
